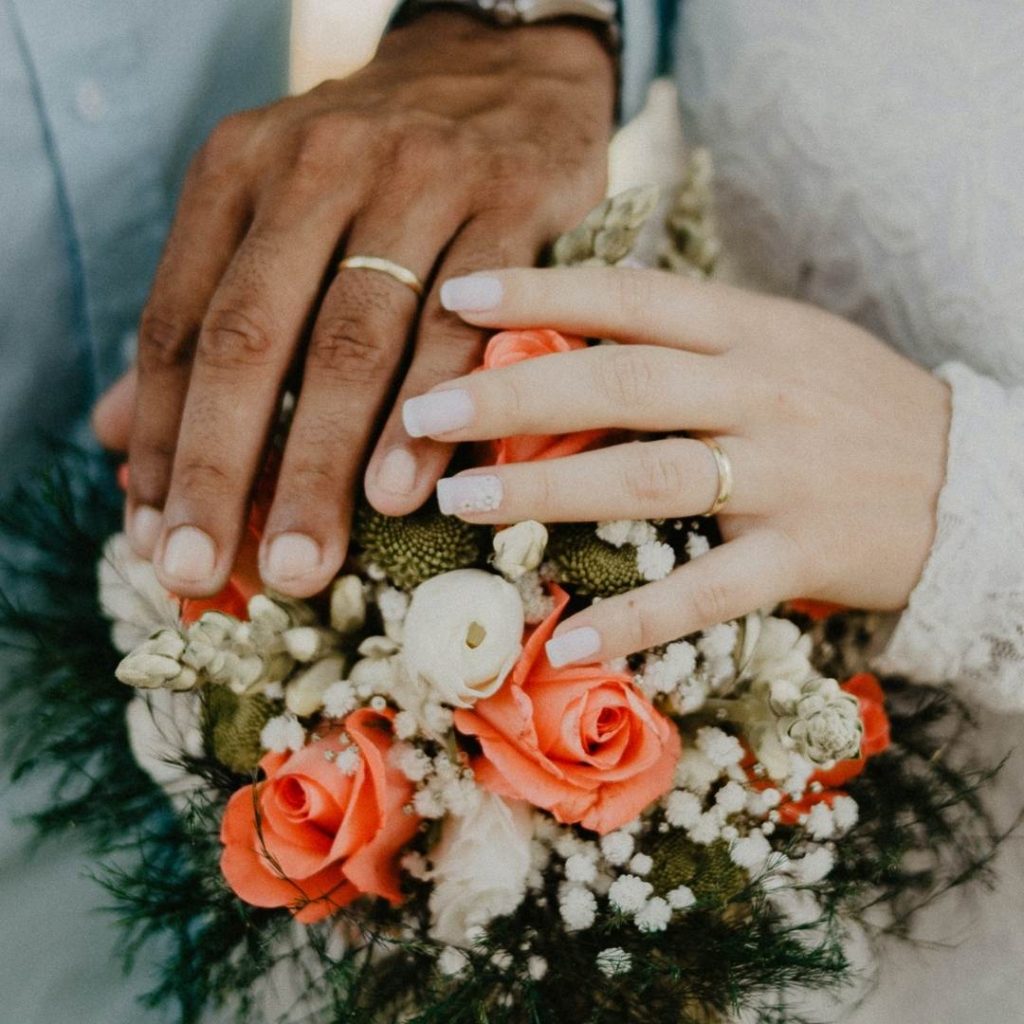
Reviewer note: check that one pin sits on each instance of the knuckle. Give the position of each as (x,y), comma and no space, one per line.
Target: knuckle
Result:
(152,451)
(234,339)
(343,347)
(625,377)
(638,629)
(164,340)
(545,493)
(315,149)
(309,476)
(511,401)
(652,474)
(510,177)
(198,475)
(219,153)
(709,602)
(632,294)
(420,149)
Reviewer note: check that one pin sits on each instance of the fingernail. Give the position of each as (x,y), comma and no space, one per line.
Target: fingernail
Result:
(291,555)
(437,413)
(397,473)
(144,526)
(459,495)
(473,294)
(576,645)
(189,555)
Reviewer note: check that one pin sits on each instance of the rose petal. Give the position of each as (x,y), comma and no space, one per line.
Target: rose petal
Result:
(619,803)
(373,868)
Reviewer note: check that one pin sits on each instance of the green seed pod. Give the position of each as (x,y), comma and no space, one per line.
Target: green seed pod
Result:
(590,565)
(608,233)
(707,870)
(413,548)
(232,727)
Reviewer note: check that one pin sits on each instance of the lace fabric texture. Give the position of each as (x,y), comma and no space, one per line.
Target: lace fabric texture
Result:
(871,162)
(965,620)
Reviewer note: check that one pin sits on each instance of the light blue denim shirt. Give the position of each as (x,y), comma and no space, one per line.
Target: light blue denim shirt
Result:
(101,105)
(102,102)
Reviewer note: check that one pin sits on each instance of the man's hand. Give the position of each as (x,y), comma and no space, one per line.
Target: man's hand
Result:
(461,146)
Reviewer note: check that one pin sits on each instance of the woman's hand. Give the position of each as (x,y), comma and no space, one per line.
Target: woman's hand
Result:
(837,443)
(460,145)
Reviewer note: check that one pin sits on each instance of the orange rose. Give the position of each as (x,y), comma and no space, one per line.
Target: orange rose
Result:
(579,741)
(323,837)
(510,347)
(816,611)
(868,691)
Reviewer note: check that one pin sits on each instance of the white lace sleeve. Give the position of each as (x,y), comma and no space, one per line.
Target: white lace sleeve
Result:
(965,619)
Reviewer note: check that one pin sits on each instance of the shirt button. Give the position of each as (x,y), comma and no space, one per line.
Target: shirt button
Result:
(90,100)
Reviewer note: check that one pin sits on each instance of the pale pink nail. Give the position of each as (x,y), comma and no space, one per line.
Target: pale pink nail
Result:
(463,495)
(473,294)
(576,645)
(438,413)
(189,555)
(397,473)
(292,555)
(144,526)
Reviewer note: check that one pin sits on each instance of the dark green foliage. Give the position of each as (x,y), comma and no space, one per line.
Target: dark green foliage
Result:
(924,829)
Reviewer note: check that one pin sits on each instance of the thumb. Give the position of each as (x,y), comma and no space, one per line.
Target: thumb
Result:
(113,414)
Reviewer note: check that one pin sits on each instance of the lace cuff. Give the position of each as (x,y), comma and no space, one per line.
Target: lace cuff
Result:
(965,619)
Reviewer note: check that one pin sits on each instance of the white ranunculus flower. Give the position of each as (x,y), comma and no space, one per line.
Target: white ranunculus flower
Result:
(480,867)
(463,634)
(519,549)
(132,597)
(164,726)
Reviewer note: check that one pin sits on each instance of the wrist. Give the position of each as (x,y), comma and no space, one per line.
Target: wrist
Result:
(453,38)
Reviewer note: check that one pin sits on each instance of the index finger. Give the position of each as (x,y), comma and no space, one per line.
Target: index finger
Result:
(629,305)
(249,334)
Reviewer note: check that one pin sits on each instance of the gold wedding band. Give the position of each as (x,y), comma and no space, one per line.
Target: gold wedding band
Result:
(724,476)
(394,270)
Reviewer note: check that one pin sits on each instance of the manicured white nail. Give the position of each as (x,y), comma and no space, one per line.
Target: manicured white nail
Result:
(189,555)
(291,555)
(463,495)
(397,473)
(476,293)
(438,413)
(576,645)
(144,526)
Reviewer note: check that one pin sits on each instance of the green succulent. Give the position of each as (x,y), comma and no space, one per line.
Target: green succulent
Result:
(707,870)
(232,727)
(590,565)
(413,548)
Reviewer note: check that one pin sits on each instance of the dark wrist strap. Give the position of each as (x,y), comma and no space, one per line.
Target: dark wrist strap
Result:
(603,16)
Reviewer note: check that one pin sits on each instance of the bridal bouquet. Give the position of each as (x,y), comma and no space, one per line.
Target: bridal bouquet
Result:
(385,804)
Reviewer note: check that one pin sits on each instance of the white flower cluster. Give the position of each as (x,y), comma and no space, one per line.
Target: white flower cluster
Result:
(454,640)
(248,657)
(654,558)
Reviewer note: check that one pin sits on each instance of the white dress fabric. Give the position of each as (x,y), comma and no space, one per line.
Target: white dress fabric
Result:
(870,160)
